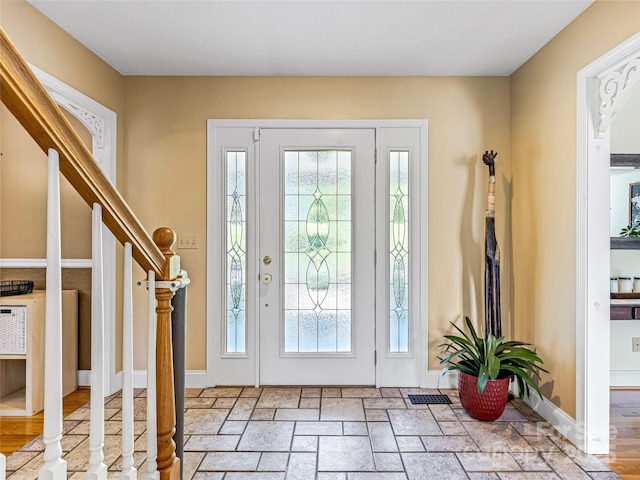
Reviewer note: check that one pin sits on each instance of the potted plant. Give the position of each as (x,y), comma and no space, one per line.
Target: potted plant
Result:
(486,365)
(631,230)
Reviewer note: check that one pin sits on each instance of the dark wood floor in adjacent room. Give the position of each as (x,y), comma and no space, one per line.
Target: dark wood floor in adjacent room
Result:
(18,431)
(624,456)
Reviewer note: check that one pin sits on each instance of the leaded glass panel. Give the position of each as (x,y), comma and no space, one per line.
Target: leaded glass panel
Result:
(399,252)
(236,252)
(317,256)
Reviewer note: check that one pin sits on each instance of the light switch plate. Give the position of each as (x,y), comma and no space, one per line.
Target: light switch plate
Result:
(187,241)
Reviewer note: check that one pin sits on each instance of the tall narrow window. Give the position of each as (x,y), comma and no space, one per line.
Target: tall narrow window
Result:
(317,251)
(399,252)
(236,252)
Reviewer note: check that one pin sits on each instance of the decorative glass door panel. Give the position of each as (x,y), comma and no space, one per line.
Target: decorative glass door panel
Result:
(317,251)
(235,332)
(399,252)
(316,309)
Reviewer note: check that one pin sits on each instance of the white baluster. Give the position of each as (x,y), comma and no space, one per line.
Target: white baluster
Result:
(97,468)
(3,467)
(152,447)
(54,468)
(129,471)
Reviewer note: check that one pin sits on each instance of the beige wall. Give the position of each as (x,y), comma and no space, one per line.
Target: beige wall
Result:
(165,122)
(543,152)
(23,197)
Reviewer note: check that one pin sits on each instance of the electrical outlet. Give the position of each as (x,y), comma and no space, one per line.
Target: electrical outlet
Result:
(187,241)
(636,344)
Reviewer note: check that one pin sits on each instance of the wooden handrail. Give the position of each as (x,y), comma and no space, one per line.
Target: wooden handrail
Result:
(25,97)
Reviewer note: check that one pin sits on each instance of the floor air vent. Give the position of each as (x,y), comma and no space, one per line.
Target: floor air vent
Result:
(429,399)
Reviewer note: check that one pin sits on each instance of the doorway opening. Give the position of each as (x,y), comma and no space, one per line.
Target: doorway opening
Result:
(603,88)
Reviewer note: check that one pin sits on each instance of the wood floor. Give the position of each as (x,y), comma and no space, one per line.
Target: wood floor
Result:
(624,456)
(18,431)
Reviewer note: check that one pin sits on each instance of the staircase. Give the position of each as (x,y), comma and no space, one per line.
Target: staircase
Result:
(24,96)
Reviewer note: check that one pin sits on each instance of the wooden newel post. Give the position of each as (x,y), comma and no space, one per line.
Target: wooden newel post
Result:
(168,463)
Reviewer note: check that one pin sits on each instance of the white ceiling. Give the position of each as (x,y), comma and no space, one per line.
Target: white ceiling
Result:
(313,37)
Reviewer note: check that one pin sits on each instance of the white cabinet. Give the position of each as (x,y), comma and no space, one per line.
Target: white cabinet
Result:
(22,324)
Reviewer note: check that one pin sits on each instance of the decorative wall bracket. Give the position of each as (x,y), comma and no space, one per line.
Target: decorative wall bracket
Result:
(93,122)
(614,88)
(99,120)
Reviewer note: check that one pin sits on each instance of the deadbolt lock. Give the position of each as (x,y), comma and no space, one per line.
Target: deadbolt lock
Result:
(266,260)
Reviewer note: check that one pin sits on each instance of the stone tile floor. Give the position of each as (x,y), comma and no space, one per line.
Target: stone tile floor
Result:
(290,433)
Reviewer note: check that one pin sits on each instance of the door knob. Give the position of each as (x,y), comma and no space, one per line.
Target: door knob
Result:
(266,278)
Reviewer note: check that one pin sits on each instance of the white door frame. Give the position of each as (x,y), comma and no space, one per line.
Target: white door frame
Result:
(213,217)
(101,122)
(602,89)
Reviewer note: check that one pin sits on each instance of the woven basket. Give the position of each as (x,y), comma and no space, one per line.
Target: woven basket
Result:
(13,330)
(488,405)
(15,287)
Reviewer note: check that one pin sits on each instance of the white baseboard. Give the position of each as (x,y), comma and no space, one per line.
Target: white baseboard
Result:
(139,379)
(553,414)
(449,380)
(193,379)
(84,378)
(196,379)
(625,378)
(116,384)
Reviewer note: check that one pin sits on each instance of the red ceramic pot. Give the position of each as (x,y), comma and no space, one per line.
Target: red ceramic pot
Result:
(485,406)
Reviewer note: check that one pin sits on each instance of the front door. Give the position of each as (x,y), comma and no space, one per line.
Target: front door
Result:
(316,241)
(298,212)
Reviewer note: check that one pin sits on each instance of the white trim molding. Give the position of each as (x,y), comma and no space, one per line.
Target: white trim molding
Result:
(594,115)
(557,418)
(84,378)
(42,263)
(448,380)
(625,378)
(192,379)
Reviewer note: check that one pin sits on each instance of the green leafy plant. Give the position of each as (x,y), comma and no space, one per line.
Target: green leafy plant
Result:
(630,231)
(491,358)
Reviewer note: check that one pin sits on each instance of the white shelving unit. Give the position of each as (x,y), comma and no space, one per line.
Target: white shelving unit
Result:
(22,324)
